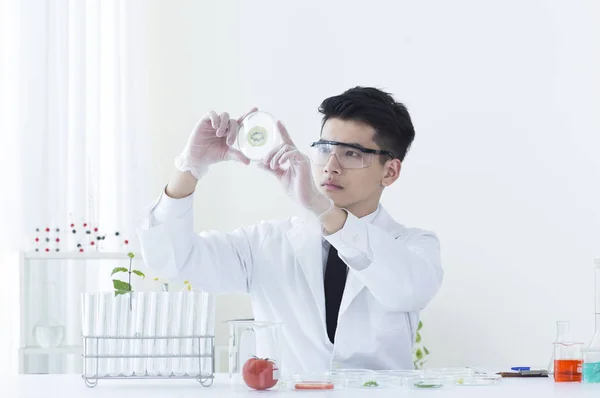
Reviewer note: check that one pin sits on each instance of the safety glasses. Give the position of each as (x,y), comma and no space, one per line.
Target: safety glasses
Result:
(349,156)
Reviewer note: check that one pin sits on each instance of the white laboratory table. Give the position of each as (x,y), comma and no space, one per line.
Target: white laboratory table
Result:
(29,386)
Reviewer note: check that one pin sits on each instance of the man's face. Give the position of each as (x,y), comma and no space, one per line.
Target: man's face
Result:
(356,189)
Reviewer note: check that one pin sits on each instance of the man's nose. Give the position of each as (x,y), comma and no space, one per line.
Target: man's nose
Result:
(333,164)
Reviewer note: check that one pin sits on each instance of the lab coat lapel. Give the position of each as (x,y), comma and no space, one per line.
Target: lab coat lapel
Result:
(306,241)
(351,290)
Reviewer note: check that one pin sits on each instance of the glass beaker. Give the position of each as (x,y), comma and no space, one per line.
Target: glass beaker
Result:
(49,332)
(568,361)
(563,333)
(255,353)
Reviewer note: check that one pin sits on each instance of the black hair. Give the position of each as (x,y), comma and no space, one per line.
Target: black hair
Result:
(391,121)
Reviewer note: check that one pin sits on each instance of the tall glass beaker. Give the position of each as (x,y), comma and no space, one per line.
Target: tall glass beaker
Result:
(255,353)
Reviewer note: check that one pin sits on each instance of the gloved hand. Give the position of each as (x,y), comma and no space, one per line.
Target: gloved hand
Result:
(210,142)
(296,175)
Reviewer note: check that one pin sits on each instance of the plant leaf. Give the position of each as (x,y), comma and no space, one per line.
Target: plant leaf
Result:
(119,269)
(120,285)
(117,292)
(130,255)
(419,354)
(420,325)
(418,339)
(139,273)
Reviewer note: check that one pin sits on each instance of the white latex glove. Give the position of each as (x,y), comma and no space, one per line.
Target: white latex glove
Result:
(293,169)
(210,142)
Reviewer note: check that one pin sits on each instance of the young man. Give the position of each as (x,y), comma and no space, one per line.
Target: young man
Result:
(348,283)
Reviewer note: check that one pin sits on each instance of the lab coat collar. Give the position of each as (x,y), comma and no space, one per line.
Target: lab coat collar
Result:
(371,216)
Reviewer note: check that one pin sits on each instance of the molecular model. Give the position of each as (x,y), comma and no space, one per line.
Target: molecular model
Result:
(78,237)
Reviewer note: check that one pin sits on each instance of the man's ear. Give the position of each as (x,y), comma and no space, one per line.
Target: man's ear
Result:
(391,170)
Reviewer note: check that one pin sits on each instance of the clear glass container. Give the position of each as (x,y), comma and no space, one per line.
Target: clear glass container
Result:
(355,378)
(396,377)
(591,354)
(174,366)
(49,331)
(381,380)
(479,380)
(204,326)
(189,305)
(103,302)
(151,328)
(126,316)
(453,375)
(255,353)
(137,346)
(316,381)
(591,365)
(114,346)
(425,380)
(258,135)
(568,361)
(89,319)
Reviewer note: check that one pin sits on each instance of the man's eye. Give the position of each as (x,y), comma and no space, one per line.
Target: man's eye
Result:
(352,154)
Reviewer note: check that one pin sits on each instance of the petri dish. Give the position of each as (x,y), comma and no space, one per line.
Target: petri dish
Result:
(356,378)
(258,135)
(394,378)
(452,375)
(383,381)
(425,380)
(479,380)
(316,381)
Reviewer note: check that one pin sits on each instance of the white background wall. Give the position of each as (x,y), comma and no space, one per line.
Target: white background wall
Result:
(505,167)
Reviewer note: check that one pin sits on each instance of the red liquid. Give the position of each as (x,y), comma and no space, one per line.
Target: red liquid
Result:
(567,370)
(314,385)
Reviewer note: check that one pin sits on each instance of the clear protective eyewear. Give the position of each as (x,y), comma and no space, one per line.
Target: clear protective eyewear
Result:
(349,156)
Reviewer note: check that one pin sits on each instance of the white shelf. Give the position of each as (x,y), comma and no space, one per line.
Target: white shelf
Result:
(80,256)
(77,350)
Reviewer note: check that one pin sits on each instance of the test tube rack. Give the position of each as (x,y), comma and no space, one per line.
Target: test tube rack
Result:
(90,357)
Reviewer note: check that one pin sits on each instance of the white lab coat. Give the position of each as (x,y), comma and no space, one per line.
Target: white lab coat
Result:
(394,272)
